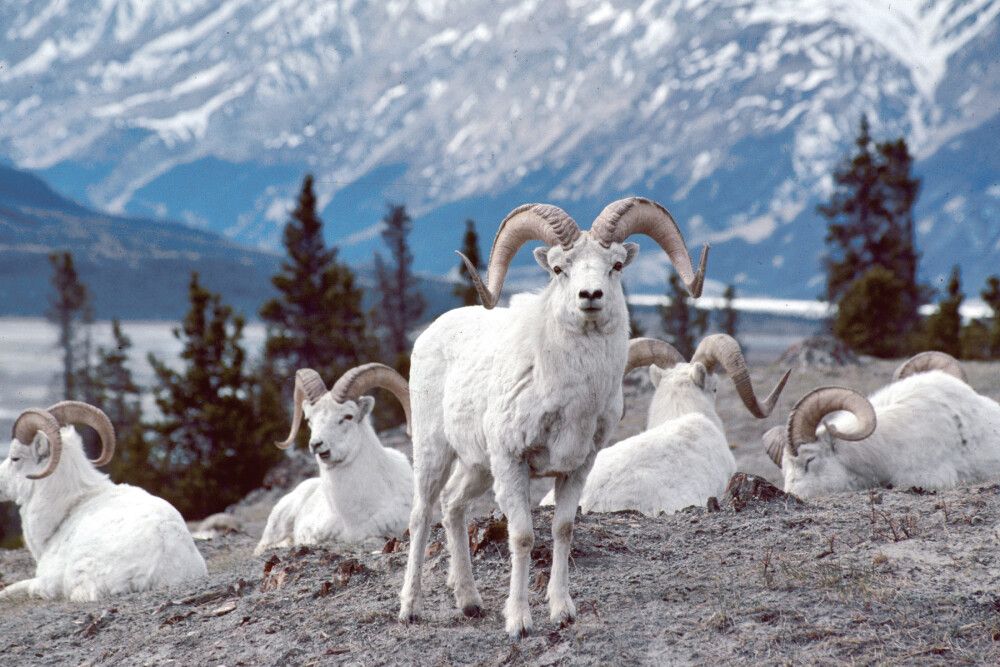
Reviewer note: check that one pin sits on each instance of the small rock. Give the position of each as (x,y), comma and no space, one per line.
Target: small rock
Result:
(223,609)
(744,489)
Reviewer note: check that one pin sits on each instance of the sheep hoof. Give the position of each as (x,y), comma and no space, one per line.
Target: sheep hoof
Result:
(473,611)
(409,618)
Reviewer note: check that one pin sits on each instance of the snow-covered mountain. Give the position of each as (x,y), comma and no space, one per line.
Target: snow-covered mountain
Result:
(731,112)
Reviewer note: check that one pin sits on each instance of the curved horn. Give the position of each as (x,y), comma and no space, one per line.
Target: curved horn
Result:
(529,222)
(774,443)
(357,381)
(637,215)
(930,361)
(722,349)
(75,412)
(29,423)
(309,386)
(646,351)
(811,408)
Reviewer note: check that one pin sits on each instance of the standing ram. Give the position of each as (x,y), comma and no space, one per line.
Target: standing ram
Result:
(683,457)
(927,429)
(90,537)
(364,489)
(503,395)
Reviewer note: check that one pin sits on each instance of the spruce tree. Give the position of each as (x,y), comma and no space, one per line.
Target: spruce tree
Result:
(215,440)
(317,321)
(466,289)
(71,312)
(729,317)
(635,329)
(400,305)
(870,216)
(943,328)
(867,314)
(683,324)
(991,295)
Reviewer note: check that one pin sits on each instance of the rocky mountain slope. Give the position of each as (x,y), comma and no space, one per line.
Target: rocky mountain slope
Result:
(733,112)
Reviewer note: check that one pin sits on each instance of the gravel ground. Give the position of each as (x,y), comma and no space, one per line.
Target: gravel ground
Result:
(892,577)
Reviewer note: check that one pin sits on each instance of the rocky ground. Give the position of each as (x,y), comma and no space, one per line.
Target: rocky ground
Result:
(897,577)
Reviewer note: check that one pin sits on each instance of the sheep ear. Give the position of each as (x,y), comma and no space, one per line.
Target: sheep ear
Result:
(365,405)
(699,374)
(542,257)
(655,374)
(631,252)
(40,447)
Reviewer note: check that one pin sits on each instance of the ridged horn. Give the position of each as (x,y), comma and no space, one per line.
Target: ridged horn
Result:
(309,386)
(646,351)
(817,404)
(357,381)
(637,215)
(724,350)
(529,222)
(930,361)
(774,443)
(29,423)
(76,412)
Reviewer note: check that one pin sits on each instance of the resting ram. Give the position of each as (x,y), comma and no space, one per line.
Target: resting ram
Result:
(683,457)
(927,429)
(503,395)
(364,489)
(91,538)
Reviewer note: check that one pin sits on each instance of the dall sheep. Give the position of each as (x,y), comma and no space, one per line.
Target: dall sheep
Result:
(683,457)
(534,390)
(364,489)
(927,429)
(91,538)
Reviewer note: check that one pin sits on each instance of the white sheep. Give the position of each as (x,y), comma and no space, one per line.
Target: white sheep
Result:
(363,490)
(91,538)
(683,457)
(534,390)
(927,429)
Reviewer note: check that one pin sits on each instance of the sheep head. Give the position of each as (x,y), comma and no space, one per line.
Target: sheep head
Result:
(37,444)
(335,416)
(586,266)
(806,447)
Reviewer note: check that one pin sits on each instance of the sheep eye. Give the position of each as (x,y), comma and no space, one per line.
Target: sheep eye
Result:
(348,417)
(618,266)
(557,270)
(807,463)
(15,459)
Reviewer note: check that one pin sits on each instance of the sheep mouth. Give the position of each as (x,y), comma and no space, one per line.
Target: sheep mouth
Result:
(592,309)
(324,455)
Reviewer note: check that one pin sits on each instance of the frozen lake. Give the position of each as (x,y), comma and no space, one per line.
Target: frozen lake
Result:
(30,363)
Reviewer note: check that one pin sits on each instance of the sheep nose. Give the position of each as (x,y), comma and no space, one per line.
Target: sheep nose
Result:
(591,296)
(313,446)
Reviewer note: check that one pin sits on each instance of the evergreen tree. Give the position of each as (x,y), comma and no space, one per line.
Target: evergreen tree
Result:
(683,324)
(870,218)
(991,295)
(71,312)
(729,317)
(215,433)
(943,328)
(400,304)
(466,290)
(867,314)
(317,321)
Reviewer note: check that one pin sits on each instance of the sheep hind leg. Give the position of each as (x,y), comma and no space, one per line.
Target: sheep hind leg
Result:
(465,484)
(510,486)
(568,490)
(430,474)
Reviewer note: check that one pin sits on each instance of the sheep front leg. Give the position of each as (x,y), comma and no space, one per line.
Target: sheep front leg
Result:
(568,490)
(20,590)
(510,486)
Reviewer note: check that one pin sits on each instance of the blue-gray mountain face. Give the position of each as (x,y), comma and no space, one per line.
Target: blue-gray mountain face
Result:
(732,113)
